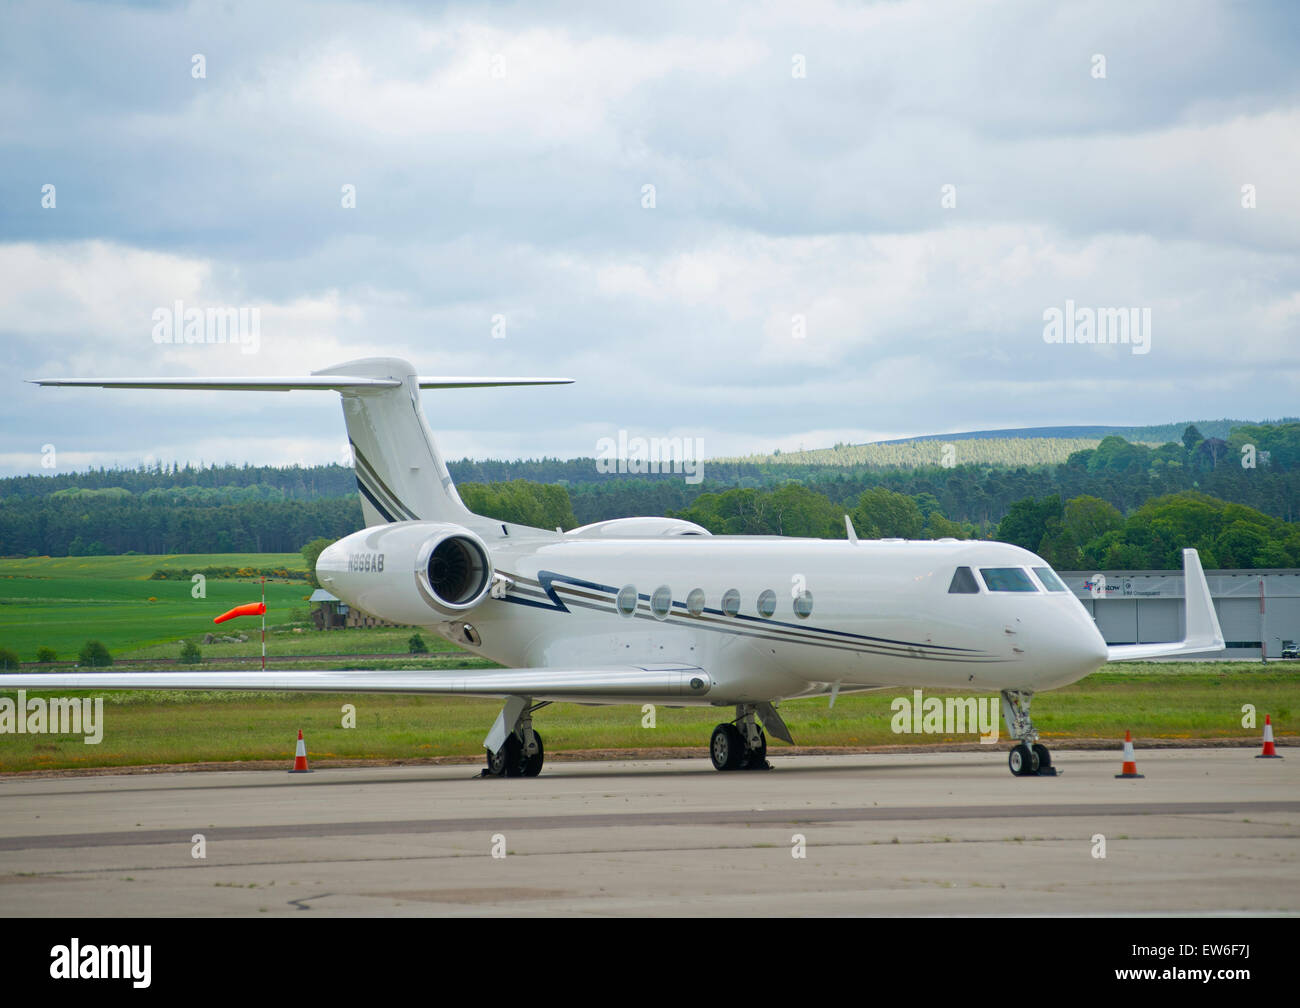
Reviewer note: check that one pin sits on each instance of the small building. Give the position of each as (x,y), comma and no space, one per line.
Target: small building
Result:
(1259,610)
(330,613)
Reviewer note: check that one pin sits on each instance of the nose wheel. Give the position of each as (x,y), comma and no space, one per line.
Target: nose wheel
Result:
(1024,761)
(1028,758)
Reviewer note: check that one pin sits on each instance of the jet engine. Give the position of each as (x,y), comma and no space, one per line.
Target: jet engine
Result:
(409,572)
(453,570)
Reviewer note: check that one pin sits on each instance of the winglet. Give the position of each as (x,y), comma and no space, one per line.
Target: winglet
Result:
(1201,631)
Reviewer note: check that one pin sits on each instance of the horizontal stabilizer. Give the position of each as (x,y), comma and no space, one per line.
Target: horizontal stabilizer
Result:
(489,382)
(615,684)
(336,383)
(288,384)
(1201,632)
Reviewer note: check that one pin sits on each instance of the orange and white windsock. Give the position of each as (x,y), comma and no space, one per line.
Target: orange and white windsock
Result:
(247,609)
(300,756)
(1270,750)
(1130,764)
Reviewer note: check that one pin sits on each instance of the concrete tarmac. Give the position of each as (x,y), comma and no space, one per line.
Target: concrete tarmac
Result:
(1206,832)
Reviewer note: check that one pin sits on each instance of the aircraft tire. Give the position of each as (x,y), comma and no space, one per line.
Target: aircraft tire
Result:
(726,748)
(1044,757)
(1022,760)
(533,764)
(514,750)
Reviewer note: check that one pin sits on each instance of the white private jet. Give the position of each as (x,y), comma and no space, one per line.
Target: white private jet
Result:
(657,610)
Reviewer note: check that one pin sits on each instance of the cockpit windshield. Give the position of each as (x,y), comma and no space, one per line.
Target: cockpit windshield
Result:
(1050,581)
(1007,579)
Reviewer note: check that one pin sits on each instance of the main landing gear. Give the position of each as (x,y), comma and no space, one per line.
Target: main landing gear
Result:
(1027,758)
(515,751)
(513,761)
(740,744)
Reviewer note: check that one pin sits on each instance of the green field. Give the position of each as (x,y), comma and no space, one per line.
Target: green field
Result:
(1171,702)
(286,640)
(61,602)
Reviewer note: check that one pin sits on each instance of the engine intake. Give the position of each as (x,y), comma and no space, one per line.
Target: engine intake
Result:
(455,573)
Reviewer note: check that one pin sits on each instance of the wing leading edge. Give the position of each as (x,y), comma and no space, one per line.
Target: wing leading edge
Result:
(615,684)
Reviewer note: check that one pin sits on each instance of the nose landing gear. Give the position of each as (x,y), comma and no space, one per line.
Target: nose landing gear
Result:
(1028,758)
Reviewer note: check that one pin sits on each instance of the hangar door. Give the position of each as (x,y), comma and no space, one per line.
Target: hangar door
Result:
(1239,618)
(1159,620)
(1116,619)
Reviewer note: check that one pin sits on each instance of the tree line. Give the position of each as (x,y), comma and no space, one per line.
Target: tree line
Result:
(267,509)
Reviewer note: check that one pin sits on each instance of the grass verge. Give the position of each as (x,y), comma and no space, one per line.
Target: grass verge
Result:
(1176,702)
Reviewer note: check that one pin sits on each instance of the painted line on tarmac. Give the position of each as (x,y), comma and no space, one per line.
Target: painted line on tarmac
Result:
(705,817)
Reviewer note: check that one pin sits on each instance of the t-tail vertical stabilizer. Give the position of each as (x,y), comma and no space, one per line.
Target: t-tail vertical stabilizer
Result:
(401,474)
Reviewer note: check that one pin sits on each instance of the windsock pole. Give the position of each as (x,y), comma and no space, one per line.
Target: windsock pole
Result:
(263,623)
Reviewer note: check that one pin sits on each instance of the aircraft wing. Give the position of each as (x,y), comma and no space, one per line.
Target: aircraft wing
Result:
(613,684)
(1201,631)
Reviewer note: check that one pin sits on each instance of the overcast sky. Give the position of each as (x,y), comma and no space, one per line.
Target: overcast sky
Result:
(798,275)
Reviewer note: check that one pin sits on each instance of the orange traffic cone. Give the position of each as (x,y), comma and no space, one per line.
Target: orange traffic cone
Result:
(1270,751)
(300,756)
(1130,764)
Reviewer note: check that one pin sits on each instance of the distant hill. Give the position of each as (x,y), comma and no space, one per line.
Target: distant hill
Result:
(1159,434)
(1088,433)
(945,450)
(1013,447)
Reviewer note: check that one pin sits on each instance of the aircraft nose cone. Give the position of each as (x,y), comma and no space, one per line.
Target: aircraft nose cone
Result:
(1084,648)
(1095,648)
(1067,649)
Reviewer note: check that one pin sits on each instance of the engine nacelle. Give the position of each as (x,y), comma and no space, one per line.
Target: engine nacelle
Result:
(409,572)
(453,570)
